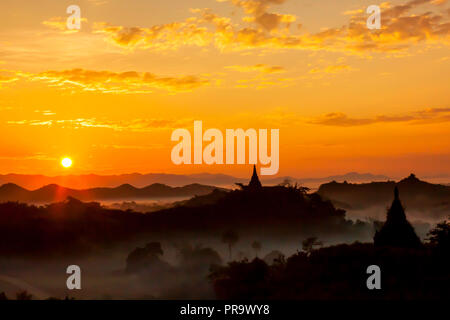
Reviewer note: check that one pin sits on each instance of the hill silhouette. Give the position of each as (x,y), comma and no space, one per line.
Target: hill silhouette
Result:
(416,195)
(53,192)
(275,210)
(139,180)
(75,226)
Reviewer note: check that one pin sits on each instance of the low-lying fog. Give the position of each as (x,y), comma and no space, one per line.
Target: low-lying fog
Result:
(103,275)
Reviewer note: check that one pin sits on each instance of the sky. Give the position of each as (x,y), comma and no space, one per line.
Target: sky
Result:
(345,98)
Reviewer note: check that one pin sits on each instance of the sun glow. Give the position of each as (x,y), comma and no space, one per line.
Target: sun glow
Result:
(66,162)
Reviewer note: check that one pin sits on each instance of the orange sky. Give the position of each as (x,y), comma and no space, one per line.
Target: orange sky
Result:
(345,98)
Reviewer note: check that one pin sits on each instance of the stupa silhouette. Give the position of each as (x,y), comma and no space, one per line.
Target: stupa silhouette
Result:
(254,183)
(396,231)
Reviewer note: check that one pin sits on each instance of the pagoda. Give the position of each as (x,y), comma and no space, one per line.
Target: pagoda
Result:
(396,231)
(254,183)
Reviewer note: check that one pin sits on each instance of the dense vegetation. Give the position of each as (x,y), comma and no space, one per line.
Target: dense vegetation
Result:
(339,272)
(73,226)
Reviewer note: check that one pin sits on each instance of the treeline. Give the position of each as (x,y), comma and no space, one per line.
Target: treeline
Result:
(339,273)
(75,227)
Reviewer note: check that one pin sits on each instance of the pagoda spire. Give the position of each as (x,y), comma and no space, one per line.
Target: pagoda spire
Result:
(254,182)
(397,231)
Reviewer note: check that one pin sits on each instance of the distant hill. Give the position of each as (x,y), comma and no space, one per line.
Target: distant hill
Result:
(349,177)
(72,226)
(53,192)
(414,193)
(176,180)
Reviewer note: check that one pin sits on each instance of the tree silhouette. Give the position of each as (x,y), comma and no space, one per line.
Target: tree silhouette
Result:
(439,237)
(256,245)
(198,256)
(285,183)
(335,273)
(309,243)
(230,237)
(24,295)
(274,256)
(141,258)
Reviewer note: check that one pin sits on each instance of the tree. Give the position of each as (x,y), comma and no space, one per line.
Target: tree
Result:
(256,245)
(309,243)
(285,183)
(141,258)
(439,237)
(230,238)
(24,295)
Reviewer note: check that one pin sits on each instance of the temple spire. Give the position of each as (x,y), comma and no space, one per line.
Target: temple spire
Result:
(397,231)
(254,182)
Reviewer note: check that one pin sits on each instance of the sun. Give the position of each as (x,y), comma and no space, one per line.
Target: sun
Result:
(66,162)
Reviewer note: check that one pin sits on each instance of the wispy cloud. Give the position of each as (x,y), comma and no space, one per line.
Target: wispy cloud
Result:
(401,29)
(338,119)
(7,79)
(332,69)
(134,125)
(98,2)
(262,68)
(35,156)
(130,82)
(259,13)
(60,24)
(45,112)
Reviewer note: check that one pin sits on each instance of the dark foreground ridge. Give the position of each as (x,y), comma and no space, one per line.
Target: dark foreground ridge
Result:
(207,234)
(75,226)
(53,192)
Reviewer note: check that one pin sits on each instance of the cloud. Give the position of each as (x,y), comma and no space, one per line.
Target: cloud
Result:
(401,29)
(258,10)
(35,156)
(332,69)
(132,147)
(430,115)
(130,82)
(168,36)
(353,12)
(98,2)
(262,68)
(439,2)
(60,24)
(135,125)
(45,112)
(6,79)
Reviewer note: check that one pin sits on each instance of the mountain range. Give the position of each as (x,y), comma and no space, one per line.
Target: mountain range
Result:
(54,193)
(176,180)
(415,194)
